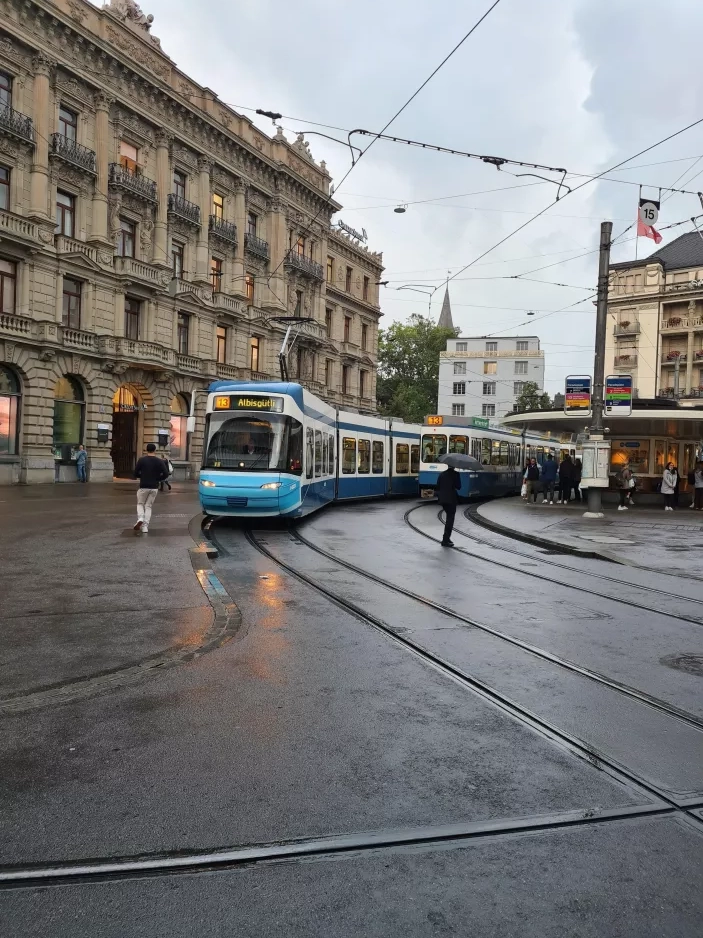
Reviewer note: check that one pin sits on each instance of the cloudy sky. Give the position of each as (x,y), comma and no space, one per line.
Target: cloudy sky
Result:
(581,84)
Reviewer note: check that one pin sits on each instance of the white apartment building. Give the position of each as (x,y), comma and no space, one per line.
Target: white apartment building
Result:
(482,377)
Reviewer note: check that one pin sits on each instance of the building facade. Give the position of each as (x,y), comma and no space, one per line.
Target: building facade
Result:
(655,322)
(153,240)
(482,377)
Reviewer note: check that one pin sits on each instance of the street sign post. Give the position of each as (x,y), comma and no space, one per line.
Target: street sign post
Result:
(577,395)
(618,395)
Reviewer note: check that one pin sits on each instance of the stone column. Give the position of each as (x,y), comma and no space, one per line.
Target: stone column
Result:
(240,220)
(201,260)
(275,295)
(163,182)
(102,134)
(39,196)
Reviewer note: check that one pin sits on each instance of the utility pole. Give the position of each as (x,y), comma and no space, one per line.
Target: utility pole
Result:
(596,430)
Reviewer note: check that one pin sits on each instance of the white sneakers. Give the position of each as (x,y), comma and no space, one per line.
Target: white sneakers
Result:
(145,529)
(668,508)
(622,507)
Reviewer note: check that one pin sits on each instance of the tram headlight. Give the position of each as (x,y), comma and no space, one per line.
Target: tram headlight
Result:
(207,483)
(271,485)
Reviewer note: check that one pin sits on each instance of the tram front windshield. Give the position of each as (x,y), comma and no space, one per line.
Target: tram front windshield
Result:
(254,443)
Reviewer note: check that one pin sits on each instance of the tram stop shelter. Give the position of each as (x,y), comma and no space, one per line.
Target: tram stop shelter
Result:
(657,432)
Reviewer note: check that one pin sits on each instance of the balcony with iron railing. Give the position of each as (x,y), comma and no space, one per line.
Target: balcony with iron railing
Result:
(256,246)
(628,360)
(226,230)
(72,152)
(304,265)
(184,209)
(626,328)
(16,124)
(122,178)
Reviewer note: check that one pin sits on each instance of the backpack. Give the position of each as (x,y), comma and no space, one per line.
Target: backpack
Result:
(170,467)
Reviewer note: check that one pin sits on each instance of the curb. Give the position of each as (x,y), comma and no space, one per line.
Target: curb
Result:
(474,515)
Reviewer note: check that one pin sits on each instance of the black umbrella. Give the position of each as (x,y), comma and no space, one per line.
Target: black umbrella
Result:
(460,461)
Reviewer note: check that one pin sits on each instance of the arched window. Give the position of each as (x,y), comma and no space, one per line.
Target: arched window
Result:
(9,412)
(179,425)
(69,411)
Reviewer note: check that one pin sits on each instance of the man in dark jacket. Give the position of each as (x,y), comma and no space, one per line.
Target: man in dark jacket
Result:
(448,484)
(549,477)
(532,480)
(150,470)
(566,480)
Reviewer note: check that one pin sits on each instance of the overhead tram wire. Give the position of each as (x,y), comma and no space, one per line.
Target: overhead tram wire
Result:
(581,186)
(395,116)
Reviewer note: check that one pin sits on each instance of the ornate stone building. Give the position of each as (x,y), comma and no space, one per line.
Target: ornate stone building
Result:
(150,241)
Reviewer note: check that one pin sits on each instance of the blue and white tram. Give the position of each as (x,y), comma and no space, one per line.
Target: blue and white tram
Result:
(501,452)
(274,449)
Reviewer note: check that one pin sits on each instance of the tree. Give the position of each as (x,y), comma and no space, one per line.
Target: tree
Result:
(408,367)
(531,398)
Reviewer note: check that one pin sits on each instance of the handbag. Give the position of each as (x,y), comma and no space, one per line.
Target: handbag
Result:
(523,490)
(632,482)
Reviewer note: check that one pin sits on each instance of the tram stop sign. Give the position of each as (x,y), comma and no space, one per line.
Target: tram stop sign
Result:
(577,395)
(618,396)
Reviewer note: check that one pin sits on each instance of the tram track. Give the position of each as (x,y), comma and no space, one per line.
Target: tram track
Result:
(632,692)
(572,586)
(527,717)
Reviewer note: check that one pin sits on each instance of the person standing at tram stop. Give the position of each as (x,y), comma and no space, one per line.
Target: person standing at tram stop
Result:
(566,480)
(532,480)
(81,460)
(698,487)
(150,470)
(669,481)
(624,479)
(549,478)
(448,486)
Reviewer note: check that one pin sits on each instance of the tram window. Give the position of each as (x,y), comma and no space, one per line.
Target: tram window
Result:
(309,450)
(504,454)
(486,452)
(402,456)
(458,444)
(476,449)
(434,445)
(331,454)
(318,454)
(325,445)
(415,458)
(377,457)
(495,453)
(348,456)
(364,456)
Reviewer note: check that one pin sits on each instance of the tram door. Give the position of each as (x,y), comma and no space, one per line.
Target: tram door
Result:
(124,443)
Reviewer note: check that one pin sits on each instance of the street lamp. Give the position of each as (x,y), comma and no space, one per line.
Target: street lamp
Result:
(418,289)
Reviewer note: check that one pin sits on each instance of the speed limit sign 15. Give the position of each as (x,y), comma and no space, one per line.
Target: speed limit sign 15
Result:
(648,211)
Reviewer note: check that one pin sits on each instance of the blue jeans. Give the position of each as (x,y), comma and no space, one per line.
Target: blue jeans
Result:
(80,469)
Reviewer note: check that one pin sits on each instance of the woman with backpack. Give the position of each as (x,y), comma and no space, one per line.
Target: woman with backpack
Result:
(668,488)
(168,465)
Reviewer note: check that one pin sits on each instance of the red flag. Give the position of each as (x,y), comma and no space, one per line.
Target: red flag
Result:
(647,231)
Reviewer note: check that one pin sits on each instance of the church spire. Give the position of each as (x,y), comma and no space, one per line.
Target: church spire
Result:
(445,317)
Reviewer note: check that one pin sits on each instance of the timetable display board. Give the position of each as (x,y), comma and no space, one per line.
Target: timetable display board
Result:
(577,395)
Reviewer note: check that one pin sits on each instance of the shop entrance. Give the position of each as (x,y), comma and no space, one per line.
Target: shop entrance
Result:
(126,409)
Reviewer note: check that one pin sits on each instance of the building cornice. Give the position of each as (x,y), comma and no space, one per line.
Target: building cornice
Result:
(343,298)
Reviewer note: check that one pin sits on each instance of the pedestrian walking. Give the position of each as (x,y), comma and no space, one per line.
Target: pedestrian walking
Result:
(150,470)
(448,486)
(624,479)
(698,483)
(532,480)
(668,487)
(169,469)
(566,477)
(81,460)
(549,478)
(576,480)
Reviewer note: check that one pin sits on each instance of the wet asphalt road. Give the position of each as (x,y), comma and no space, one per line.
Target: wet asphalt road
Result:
(509,765)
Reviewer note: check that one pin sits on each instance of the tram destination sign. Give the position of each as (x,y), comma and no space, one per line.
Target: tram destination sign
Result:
(618,395)
(577,395)
(249,402)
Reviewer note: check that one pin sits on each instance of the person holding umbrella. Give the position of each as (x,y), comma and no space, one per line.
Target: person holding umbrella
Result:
(448,485)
